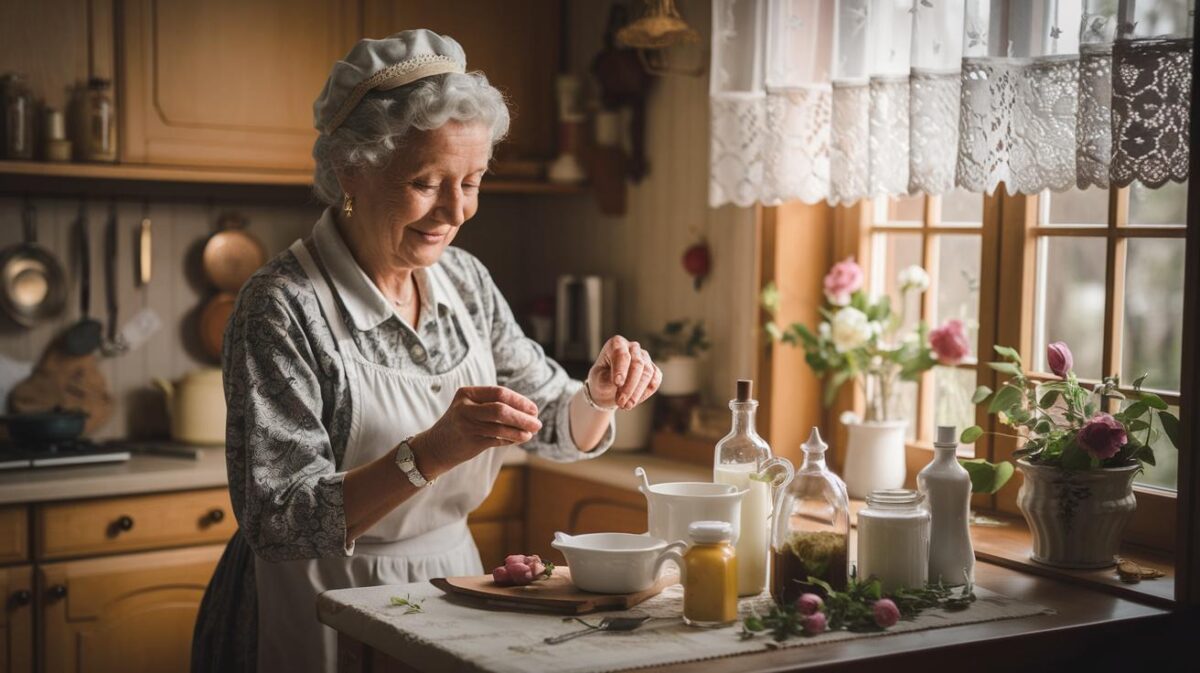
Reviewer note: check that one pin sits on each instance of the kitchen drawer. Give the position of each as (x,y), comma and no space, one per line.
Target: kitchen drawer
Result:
(507,497)
(14,534)
(111,525)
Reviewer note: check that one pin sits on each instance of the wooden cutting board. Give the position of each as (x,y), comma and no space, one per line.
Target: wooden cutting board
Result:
(554,594)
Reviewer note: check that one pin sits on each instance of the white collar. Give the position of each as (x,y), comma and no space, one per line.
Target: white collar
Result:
(367,306)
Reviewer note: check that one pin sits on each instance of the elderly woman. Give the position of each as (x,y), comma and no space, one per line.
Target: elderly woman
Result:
(375,375)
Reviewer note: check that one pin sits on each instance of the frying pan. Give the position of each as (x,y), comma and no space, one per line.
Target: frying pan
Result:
(32,284)
(45,427)
(232,254)
(84,336)
(213,318)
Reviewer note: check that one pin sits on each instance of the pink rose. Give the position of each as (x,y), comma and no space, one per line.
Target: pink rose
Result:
(1102,436)
(1058,356)
(886,613)
(949,342)
(500,576)
(809,604)
(843,280)
(815,623)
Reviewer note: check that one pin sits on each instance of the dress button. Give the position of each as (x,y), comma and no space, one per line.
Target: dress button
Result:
(437,387)
(417,353)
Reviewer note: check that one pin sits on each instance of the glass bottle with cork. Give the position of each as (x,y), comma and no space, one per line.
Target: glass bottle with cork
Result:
(97,139)
(811,536)
(743,459)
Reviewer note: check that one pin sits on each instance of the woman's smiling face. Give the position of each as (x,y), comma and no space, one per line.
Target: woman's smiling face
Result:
(415,205)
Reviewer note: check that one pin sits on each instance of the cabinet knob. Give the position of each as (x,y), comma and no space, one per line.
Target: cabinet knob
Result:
(57,591)
(214,516)
(21,598)
(122,524)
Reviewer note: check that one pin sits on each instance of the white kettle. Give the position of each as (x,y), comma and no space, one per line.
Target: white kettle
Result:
(196,406)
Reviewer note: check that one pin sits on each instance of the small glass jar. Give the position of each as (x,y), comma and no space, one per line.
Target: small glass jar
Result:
(57,147)
(98,131)
(18,118)
(710,576)
(893,539)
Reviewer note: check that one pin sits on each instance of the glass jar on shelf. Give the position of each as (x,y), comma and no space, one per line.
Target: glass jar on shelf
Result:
(811,536)
(98,124)
(18,117)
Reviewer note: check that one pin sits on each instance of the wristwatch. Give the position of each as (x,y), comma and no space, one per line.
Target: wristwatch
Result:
(407,462)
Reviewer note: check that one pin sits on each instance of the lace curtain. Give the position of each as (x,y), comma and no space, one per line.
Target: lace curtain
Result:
(844,99)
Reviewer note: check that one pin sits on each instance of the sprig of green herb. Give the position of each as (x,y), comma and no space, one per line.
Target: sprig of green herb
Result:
(410,606)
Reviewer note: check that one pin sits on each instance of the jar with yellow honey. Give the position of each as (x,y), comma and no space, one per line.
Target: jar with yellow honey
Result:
(709,569)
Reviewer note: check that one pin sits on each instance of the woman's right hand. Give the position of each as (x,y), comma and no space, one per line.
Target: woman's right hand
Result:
(479,418)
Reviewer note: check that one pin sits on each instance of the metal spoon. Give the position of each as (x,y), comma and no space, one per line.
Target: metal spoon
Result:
(606,624)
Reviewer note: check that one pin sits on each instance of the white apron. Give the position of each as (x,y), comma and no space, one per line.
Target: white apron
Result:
(425,537)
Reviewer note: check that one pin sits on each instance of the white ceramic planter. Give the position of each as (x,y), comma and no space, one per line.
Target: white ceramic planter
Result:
(1076,518)
(874,457)
(681,375)
(633,427)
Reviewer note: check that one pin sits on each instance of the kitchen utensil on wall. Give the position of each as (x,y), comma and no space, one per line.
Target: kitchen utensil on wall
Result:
(112,344)
(145,266)
(34,285)
(586,315)
(196,406)
(624,83)
(45,427)
(213,318)
(84,336)
(232,254)
(64,381)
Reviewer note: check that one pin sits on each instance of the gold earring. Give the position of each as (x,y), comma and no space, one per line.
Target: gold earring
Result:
(348,205)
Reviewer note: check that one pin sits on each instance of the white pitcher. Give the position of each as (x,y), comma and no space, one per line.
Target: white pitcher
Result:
(673,506)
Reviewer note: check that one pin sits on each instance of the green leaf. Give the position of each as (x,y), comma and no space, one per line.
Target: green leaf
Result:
(1074,457)
(971,434)
(981,394)
(1005,399)
(987,477)
(1135,410)
(773,331)
(1048,399)
(1010,353)
(1145,454)
(1154,401)
(1137,425)
(834,384)
(1005,368)
(1170,425)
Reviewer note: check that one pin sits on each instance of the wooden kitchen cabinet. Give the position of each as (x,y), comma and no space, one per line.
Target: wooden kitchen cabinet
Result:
(558,502)
(227,83)
(14,534)
(16,620)
(498,525)
(132,612)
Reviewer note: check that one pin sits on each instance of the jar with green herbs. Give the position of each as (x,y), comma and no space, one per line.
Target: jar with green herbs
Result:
(811,529)
(98,123)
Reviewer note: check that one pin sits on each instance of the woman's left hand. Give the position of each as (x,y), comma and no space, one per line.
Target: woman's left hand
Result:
(623,375)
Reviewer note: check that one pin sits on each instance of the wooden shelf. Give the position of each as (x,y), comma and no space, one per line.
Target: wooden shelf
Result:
(35,177)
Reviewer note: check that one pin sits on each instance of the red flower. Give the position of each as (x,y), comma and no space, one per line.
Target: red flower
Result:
(949,342)
(1058,356)
(1102,436)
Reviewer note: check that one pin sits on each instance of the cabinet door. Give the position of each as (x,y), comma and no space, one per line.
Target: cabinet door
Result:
(132,612)
(561,503)
(16,620)
(514,42)
(227,83)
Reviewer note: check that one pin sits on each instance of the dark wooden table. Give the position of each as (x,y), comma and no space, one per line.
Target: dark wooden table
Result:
(1092,628)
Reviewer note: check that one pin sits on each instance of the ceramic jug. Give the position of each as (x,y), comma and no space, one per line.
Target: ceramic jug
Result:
(673,506)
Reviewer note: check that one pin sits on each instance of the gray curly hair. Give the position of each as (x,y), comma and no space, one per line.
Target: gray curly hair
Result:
(379,123)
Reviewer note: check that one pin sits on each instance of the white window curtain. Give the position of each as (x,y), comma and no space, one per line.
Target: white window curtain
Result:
(844,99)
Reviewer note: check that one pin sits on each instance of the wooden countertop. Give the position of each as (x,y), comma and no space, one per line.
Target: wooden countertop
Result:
(1077,628)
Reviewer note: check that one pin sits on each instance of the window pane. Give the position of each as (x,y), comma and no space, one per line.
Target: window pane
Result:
(891,254)
(1152,332)
(900,211)
(1165,473)
(953,387)
(1070,301)
(1166,205)
(1074,208)
(957,288)
(961,208)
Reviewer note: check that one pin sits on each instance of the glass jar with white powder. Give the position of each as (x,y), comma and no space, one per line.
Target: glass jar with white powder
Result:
(893,539)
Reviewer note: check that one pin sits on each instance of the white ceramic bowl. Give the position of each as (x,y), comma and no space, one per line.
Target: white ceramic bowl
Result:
(614,563)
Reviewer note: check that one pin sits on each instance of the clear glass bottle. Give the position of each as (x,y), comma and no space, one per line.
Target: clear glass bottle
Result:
(740,457)
(893,539)
(18,117)
(98,133)
(710,575)
(947,489)
(811,536)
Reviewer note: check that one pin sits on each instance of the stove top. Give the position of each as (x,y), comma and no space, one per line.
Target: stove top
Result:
(75,452)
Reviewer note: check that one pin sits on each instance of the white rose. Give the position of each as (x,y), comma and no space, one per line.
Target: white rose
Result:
(851,329)
(823,330)
(914,278)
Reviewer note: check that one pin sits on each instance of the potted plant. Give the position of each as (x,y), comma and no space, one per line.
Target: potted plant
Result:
(861,339)
(676,350)
(1078,460)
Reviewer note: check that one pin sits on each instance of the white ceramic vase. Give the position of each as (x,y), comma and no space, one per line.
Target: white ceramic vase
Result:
(874,457)
(681,375)
(1076,518)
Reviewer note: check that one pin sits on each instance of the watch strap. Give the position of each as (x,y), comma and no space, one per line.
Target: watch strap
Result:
(406,460)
